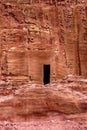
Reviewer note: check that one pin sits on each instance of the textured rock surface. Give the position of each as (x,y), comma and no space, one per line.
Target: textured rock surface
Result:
(49,122)
(38,32)
(34,99)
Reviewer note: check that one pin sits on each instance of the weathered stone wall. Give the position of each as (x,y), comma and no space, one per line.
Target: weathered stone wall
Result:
(73,35)
(38,32)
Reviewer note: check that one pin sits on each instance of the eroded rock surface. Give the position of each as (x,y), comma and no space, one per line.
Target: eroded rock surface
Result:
(26,100)
(38,32)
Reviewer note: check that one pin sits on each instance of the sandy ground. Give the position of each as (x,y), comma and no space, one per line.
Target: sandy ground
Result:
(50,122)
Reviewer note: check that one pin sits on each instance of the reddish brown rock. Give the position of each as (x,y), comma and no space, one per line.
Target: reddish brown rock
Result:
(34,99)
(34,33)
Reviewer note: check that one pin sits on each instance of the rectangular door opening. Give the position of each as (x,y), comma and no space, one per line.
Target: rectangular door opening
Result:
(46,74)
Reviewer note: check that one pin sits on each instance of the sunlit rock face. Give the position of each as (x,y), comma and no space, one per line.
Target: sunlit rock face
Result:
(36,33)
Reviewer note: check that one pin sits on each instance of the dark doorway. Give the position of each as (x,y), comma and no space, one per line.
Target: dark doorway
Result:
(46,73)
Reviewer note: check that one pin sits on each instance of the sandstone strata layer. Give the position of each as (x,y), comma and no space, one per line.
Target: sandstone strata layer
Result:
(66,96)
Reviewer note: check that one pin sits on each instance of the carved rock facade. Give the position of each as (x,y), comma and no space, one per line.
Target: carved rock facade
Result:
(36,33)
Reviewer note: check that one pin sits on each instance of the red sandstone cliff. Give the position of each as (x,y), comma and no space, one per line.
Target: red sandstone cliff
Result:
(34,33)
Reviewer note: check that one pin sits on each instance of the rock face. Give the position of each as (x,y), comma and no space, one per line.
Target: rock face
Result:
(67,97)
(35,33)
